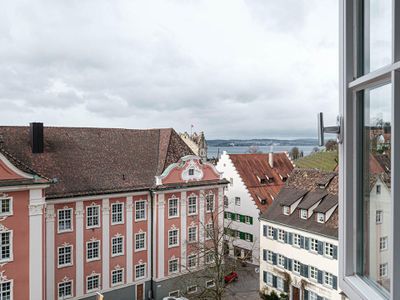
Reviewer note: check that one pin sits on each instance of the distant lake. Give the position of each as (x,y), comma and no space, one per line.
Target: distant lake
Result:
(213,151)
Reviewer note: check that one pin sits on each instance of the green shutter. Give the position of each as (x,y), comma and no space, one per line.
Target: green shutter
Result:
(242,236)
(225,215)
(242,219)
(251,238)
(233,217)
(251,220)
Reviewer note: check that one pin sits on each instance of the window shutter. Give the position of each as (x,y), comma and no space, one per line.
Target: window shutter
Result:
(274,258)
(265,230)
(306,295)
(289,263)
(275,234)
(286,262)
(274,281)
(320,275)
(286,286)
(242,219)
(307,243)
(320,248)
(233,216)
(225,215)
(251,238)
(302,242)
(264,255)
(304,270)
(335,252)
(265,276)
(334,282)
(241,234)
(291,238)
(251,220)
(286,237)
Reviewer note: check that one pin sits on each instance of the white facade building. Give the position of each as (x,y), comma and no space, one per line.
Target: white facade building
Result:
(299,239)
(255,180)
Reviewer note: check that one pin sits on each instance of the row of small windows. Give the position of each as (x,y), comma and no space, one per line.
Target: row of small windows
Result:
(93,281)
(93,249)
(226,201)
(297,267)
(238,217)
(173,205)
(239,234)
(275,281)
(299,241)
(93,215)
(6,206)
(304,214)
(310,295)
(191,289)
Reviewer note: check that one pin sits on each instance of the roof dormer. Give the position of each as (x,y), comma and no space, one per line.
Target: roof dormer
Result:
(286,210)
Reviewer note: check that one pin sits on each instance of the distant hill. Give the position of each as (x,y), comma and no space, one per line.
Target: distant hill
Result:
(262,142)
(325,161)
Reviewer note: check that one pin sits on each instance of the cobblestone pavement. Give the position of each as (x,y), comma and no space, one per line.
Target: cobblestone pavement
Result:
(246,287)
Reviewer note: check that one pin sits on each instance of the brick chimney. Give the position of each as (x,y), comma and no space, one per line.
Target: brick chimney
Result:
(36,137)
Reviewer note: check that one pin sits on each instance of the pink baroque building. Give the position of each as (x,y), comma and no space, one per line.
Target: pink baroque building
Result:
(86,210)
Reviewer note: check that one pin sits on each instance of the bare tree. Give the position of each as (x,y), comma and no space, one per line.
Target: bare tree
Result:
(212,262)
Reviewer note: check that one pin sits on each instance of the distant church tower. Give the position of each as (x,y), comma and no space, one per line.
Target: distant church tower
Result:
(196,142)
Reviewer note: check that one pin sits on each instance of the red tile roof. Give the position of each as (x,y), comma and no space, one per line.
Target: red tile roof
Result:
(89,161)
(253,167)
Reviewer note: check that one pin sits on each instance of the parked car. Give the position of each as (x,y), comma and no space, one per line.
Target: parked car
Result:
(232,276)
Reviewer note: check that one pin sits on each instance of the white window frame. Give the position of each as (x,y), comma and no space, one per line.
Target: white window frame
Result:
(286,210)
(144,202)
(192,257)
(177,266)
(210,283)
(208,206)
(383,243)
(209,257)
(117,213)
(208,231)
(122,246)
(170,216)
(195,232)
(296,266)
(247,219)
(379,217)
(328,247)
(270,279)
(58,220)
(304,214)
(280,261)
(136,270)
(87,282)
(87,250)
(11,282)
(328,279)
(296,240)
(280,283)
(312,295)
(71,263)
(270,256)
(191,206)
(10,212)
(177,238)
(144,241)
(281,235)
(352,284)
(313,271)
(383,270)
(11,246)
(122,277)
(98,216)
(270,232)
(175,293)
(321,218)
(65,296)
(190,291)
(314,245)
(237,201)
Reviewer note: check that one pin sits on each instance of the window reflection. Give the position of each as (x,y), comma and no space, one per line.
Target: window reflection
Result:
(377,184)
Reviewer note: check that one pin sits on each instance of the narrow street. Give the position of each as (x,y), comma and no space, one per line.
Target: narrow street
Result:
(246,287)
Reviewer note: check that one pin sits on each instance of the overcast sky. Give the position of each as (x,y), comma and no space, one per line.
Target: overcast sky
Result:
(232,68)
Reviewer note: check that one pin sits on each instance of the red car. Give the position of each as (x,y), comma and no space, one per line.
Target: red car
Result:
(231,277)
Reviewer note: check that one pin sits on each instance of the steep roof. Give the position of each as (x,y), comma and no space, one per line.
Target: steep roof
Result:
(88,161)
(253,168)
(310,181)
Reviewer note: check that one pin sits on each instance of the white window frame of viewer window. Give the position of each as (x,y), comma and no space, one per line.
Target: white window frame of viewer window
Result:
(172,237)
(6,292)
(116,274)
(91,249)
(351,281)
(64,284)
(140,240)
(8,212)
(192,234)
(66,257)
(117,215)
(192,207)
(93,219)
(173,208)
(90,280)
(210,202)
(237,201)
(6,248)
(63,220)
(142,269)
(117,245)
(281,235)
(173,263)
(140,212)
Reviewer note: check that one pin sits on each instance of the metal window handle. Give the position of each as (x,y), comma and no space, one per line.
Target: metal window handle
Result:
(330,129)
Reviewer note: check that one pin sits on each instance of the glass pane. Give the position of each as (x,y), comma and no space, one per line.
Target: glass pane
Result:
(377,34)
(377,185)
